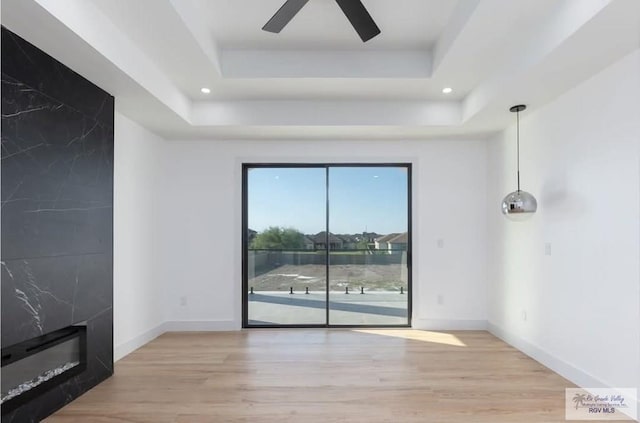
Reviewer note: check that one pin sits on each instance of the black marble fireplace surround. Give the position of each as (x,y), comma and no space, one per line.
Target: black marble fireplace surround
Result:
(57,214)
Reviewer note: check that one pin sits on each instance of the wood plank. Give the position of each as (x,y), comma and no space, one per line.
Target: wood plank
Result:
(304,375)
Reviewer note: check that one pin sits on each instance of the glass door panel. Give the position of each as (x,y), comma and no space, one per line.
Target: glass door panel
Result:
(326,245)
(368,245)
(285,266)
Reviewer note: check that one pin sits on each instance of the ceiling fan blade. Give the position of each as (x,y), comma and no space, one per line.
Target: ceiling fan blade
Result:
(282,17)
(360,18)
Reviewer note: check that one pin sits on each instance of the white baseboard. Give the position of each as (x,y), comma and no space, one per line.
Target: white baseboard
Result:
(130,346)
(575,375)
(445,324)
(126,348)
(564,369)
(201,325)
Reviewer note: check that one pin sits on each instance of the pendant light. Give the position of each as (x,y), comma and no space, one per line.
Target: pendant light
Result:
(519,205)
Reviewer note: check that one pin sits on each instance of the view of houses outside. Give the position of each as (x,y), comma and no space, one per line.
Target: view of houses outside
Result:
(369,261)
(277,238)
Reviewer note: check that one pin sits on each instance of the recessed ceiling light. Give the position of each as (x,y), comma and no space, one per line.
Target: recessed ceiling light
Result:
(205,90)
(447,90)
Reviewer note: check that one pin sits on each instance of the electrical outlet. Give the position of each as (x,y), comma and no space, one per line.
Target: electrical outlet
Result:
(183,301)
(440,299)
(440,243)
(547,249)
(524,315)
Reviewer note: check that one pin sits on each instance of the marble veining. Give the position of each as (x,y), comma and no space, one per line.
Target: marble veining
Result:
(34,311)
(57,213)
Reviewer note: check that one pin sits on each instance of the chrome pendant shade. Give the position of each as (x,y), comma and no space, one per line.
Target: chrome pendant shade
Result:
(519,205)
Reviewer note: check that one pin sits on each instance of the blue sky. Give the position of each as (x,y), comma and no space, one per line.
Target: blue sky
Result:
(360,198)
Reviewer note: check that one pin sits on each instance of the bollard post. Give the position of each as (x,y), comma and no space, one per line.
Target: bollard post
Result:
(362,289)
(346,289)
(251,291)
(401,290)
(291,290)
(307,290)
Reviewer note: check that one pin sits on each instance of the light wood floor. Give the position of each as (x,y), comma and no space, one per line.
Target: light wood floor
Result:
(324,376)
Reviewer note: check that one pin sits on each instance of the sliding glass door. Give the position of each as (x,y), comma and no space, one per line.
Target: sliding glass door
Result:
(368,271)
(326,245)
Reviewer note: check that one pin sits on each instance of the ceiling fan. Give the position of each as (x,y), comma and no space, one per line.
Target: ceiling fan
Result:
(355,11)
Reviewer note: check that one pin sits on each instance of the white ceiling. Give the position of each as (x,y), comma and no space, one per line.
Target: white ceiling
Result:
(406,24)
(316,79)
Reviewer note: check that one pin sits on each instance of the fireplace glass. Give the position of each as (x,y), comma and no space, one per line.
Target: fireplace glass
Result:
(41,363)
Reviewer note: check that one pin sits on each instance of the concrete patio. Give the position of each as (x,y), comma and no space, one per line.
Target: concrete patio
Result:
(372,308)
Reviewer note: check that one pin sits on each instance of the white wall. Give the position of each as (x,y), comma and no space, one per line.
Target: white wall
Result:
(201,255)
(138,300)
(580,158)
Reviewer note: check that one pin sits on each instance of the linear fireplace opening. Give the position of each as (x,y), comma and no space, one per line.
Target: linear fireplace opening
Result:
(39,364)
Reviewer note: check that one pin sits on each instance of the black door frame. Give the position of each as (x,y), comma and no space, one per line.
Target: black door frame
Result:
(245,242)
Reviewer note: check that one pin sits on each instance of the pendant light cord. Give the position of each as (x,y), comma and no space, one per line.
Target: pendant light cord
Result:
(518,144)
